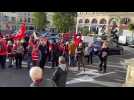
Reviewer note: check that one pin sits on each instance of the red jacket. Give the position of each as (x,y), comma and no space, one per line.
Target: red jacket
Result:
(35,55)
(3,49)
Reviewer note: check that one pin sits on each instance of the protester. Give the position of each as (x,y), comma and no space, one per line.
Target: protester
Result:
(61,48)
(66,52)
(19,54)
(103,57)
(10,53)
(3,52)
(87,53)
(72,49)
(29,56)
(60,75)
(55,54)
(36,55)
(44,49)
(80,56)
(36,75)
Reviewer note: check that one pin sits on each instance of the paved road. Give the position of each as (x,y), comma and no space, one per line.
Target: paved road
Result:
(114,77)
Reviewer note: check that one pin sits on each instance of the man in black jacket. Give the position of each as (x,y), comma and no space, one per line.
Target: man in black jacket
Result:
(44,50)
(60,75)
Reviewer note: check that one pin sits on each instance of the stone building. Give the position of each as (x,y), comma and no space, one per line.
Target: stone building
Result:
(104,18)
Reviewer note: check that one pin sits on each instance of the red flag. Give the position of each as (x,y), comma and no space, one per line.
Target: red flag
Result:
(77,39)
(21,34)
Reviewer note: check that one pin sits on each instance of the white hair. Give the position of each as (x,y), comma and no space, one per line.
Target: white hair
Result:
(61,59)
(35,73)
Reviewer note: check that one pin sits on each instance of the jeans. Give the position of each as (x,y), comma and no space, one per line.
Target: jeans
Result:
(71,60)
(18,60)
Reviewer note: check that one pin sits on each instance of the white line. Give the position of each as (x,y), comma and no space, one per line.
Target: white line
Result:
(116,66)
(121,71)
(109,84)
(103,74)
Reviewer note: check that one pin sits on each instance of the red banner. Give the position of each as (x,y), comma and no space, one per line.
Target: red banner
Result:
(21,34)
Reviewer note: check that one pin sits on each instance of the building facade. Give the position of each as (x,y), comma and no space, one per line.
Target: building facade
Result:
(12,20)
(104,18)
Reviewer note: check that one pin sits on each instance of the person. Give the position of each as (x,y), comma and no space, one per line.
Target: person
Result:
(44,49)
(35,55)
(80,56)
(60,75)
(103,56)
(87,52)
(66,53)
(29,56)
(72,49)
(3,52)
(36,75)
(95,48)
(19,55)
(61,47)
(10,53)
(54,54)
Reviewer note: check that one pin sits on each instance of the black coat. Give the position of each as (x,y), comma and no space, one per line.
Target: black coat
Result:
(60,77)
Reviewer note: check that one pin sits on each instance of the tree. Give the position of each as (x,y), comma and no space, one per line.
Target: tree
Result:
(131,27)
(40,20)
(64,21)
(85,30)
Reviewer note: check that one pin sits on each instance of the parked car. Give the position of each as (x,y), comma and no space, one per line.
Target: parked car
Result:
(114,49)
(125,37)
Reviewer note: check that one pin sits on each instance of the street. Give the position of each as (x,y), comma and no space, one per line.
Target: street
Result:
(115,76)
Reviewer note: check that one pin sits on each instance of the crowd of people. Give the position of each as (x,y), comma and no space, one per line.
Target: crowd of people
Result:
(38,52)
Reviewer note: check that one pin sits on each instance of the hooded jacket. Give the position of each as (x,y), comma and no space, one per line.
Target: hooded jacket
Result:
(60,76)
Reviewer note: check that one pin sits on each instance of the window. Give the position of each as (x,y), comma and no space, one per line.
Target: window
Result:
(94,20)
(87,21)
(29,20)
(6,18)
(125,20)
(103,21)
(20,20)
(80,21)
(13,18)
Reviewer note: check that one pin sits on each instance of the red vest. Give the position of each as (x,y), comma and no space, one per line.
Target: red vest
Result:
(35,55)
(3,50)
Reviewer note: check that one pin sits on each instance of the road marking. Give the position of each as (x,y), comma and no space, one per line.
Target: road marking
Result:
(87,78)
(121,71)
(103,74)
(116,66)
(91,80)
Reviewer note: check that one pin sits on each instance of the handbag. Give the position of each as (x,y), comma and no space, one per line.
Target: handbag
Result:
(104,54)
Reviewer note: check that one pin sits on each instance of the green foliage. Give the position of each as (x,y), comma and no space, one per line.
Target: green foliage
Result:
(40,20)
(131,27)
(63,21)
(85,30)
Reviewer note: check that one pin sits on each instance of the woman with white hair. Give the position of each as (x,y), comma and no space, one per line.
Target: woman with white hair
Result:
(60,75)
(36,75)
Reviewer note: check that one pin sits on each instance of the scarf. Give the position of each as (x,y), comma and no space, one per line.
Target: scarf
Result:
(63,66)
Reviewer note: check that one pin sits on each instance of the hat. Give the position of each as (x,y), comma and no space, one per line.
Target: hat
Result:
(36,73)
